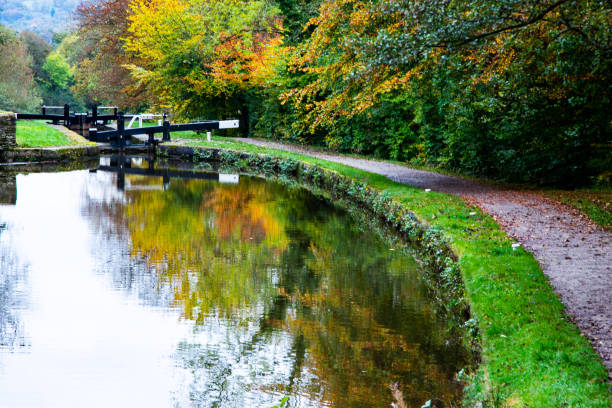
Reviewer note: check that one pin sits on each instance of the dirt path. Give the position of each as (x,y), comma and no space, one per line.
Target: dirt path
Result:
(574,252)
(73,136)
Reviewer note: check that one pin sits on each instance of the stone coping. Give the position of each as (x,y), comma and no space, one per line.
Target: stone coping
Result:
(48,154)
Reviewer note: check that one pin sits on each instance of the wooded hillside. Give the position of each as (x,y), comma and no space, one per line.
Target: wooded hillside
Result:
(43,17)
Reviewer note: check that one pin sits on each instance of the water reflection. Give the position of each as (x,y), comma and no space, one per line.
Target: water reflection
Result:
(11,331)
(8,188)
(280,293)
(12,278)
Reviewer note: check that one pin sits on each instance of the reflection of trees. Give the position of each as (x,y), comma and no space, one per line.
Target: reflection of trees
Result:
(212,243)
(12,275)
(310,304)
(368,323)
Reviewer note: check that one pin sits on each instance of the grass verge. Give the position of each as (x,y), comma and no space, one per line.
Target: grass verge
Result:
(36,133)
(193,136)
(532,355)
(595,203)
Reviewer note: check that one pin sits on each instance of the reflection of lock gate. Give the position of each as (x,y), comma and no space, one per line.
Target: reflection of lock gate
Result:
(123,165)
(118,137)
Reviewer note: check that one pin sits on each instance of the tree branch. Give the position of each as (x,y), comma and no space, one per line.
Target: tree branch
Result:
(584,35)
(525,23)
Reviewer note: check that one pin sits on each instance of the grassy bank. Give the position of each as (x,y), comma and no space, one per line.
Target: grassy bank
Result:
(594,203)
(36,133)
(532,355)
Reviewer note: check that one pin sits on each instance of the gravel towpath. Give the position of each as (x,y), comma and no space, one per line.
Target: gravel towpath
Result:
(575,253)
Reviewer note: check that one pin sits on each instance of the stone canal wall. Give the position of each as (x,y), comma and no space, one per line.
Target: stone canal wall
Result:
(49,154)
(11,153)
(8,131)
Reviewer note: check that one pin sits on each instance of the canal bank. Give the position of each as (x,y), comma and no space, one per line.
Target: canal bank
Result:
(42,143)
(532,354)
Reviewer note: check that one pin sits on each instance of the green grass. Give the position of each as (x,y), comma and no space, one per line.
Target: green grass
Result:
(145,123)
(532,355)
(33,133)
(190,135)
(595,203)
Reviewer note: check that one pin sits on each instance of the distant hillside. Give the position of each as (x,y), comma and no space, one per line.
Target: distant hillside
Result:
(41,16)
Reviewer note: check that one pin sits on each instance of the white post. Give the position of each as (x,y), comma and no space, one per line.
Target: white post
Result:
(131,121)
(139,121)
(208,136)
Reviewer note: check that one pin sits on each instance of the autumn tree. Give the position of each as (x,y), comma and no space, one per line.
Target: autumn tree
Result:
(38,48)
(101,75)
(200,57)
(515,90)
(17,88)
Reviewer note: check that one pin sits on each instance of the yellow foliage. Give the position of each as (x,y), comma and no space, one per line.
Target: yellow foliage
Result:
(194,50)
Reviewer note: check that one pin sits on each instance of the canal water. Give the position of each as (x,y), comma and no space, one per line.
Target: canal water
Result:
(180,288)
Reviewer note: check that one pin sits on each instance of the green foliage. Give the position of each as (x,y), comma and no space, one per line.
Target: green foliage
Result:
(517,91)
(283,403)
(58,73)
(541,120)
(38,49)
(58,70)
(32,69)
(296,14)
